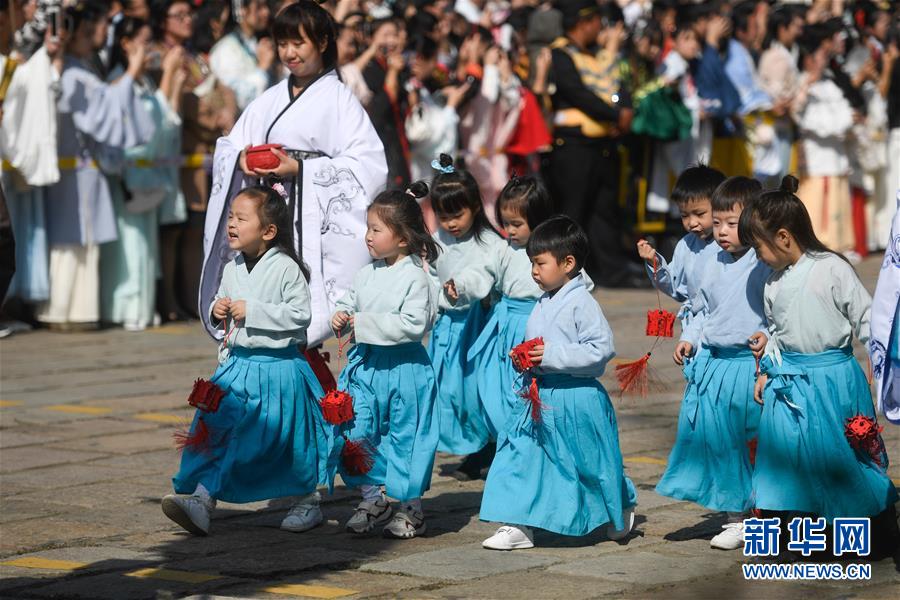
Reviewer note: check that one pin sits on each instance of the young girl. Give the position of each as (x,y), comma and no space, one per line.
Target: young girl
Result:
(562,469)
(267,438)
(387,311)
(710,462)
(465,273)
(810,383)
(523,205)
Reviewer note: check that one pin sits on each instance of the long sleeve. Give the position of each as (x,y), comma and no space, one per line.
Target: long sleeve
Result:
(570,89)
(111,114)
(669,277)
(474,283)
(223,292)
(826,112)
(291,314)
(411,321)
(594,348)
(720,98)
(853,300)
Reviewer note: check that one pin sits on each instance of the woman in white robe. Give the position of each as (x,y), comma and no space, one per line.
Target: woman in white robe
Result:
(332,166)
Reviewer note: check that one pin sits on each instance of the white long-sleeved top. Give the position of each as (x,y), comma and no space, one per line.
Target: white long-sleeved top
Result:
(277,301)
(824,121)
(815,305)
(391,305)
(233,60)
(577,338)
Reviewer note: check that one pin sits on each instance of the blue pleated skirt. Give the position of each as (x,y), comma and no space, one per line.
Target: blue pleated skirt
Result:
(497,381)
(463,423)
(710,462)
(804,462)
(268,438)
(565,473)
(394,395)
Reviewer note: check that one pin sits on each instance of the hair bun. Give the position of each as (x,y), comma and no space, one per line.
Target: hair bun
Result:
(446,160)
(417,189)
(789,184)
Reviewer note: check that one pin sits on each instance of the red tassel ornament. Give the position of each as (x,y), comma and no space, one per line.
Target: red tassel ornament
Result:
(198,440)
(633,376)
(533,396)
(206,396)
(519,354)
(864,434)
(751,448)
(337,407)
(318,362)
(660,323)
(357,456)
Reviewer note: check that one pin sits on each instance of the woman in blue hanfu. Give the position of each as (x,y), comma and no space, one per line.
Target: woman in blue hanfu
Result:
(330,165)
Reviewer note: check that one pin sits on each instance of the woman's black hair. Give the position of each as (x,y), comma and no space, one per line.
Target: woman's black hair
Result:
(402,214)
(202,40)
(126,28)
(780,209)
(86,11)
(317,24)
(529,197)
(781,16)
(273,210)
(735,191)
(423,46)
(455,191)
(561,236)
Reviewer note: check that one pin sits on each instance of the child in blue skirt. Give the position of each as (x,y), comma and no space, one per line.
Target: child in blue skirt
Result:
(558,464)
(388,310)
(810,383)
(267,438)
(710,463)
(464,274)
(680,278)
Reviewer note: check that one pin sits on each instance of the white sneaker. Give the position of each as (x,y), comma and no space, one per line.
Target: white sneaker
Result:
(731,538)
(302,517)
(190,512)
(510,538)
(620,534)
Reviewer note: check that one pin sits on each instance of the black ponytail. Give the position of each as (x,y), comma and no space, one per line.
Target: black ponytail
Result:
(273,210)
(454,189)
(529,197)
(400,211)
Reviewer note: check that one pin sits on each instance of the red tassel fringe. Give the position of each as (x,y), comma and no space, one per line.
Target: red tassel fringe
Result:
(751,448)
(206,396)
(533,396)
(198,440)
(357,456)
(337,407)
(633,376)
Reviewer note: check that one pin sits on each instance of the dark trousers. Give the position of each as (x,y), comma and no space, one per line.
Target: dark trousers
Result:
(7,249)
(583,177)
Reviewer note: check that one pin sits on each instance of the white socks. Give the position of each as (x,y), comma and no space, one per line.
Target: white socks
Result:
(372,493)
(309,500)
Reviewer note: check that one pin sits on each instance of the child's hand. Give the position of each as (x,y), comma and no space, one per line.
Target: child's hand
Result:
(759,387)
(536,355)
(450,291)
(220,308)
(238,310)
(758,343)
(340,320)
(646,251)
(682,351)
(515,360)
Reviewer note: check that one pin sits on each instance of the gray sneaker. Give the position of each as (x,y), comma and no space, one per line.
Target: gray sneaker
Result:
(406,525)
(191,512)
(368,515)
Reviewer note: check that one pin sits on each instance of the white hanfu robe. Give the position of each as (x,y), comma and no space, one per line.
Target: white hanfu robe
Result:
(884,343)
(336,187)
(97,122)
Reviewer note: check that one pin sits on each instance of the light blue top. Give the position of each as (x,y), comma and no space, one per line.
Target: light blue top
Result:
(472,265)
(680,279)
(741,70)
(278,302)
(732,292)
(391,305)
(577,339)
(514,278)
(817,304)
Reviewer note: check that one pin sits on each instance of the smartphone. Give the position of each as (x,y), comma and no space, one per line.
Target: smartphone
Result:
(55,24)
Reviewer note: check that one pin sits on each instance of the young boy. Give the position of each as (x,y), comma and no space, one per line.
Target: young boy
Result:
(558,465)
(710,463)
(680,278)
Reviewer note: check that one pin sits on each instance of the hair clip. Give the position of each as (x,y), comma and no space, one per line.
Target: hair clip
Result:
(409,193)
(436,165)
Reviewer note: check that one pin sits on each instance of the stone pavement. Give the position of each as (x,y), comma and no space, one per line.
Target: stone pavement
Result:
(86,453)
